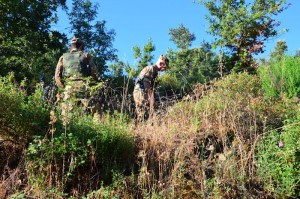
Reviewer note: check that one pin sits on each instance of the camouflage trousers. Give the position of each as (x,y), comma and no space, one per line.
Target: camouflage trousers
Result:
(143,103)
(75,94)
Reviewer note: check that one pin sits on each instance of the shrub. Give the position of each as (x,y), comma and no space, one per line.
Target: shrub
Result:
(21,116)
(81,155)
(231,117)
(279,160)
(169,82)
(234,106)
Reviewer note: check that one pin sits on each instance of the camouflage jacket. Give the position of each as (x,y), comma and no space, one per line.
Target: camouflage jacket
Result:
(60,71)
(147,77)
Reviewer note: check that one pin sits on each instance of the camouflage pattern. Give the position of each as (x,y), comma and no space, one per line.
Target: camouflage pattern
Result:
(75,93)
(143,93)
(74,65)
(72,71)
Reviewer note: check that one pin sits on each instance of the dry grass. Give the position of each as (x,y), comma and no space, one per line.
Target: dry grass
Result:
(205,147)
(12,168)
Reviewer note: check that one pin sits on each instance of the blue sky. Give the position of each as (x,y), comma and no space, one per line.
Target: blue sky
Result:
(136,21)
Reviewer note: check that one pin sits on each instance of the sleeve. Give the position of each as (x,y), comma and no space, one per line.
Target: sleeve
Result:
(148,77)
(58,73)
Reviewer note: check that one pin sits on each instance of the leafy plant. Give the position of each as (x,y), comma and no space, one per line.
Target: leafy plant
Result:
(279,160)
(21,116)
(71,155)
(242,27)
(29,47)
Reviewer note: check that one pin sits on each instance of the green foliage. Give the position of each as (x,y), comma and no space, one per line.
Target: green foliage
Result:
(83,147)
(236,96)
(167,81)
(279,160)
(279,50)
(144,56)
(122,76)
(182,37)
(28,47)
(97,39)
(243,27)
(281,77)
(21,116)
(190,66)
(115,190)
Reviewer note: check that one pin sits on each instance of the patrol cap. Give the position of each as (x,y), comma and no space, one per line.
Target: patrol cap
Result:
(164,59)
(76,41)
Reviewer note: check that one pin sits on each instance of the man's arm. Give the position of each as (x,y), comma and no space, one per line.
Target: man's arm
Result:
(58,73)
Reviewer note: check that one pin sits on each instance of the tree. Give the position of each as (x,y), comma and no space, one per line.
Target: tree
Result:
(190,66)
(182,37)
(279,50)
(243,27)
(144,57)
(28,47)
(98,40)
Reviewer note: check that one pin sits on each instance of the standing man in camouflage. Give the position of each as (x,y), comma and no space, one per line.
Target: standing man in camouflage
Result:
(73,73)
(143,93)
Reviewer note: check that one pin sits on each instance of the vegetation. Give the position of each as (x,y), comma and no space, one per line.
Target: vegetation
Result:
(229,140)
(281,77)
(144,56)
(22,116)
(28,47)
(97,39)
(242,27)
(230,134)
(190,66)
(182,37)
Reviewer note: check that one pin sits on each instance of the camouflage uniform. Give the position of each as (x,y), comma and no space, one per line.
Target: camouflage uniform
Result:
(70,74)
(143,93)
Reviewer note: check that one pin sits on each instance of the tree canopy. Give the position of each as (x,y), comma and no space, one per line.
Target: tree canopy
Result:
(182,37)
(28,46)
(97,39)
(144,56)
(243,26)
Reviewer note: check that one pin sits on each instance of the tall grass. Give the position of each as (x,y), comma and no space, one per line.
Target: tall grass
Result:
(220,143)
(208,148)
(57,158)
(79,157)
(281,77)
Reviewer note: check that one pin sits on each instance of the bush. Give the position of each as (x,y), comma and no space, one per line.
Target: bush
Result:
(281,77)
(21,116)
(235,106)
(82,154)
(279,160)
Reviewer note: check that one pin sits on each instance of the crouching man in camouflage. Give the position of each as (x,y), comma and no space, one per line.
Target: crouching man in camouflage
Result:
(143,93)
(72,74)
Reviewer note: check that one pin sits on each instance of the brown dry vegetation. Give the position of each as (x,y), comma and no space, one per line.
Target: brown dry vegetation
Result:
(205,148)
(201,147)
